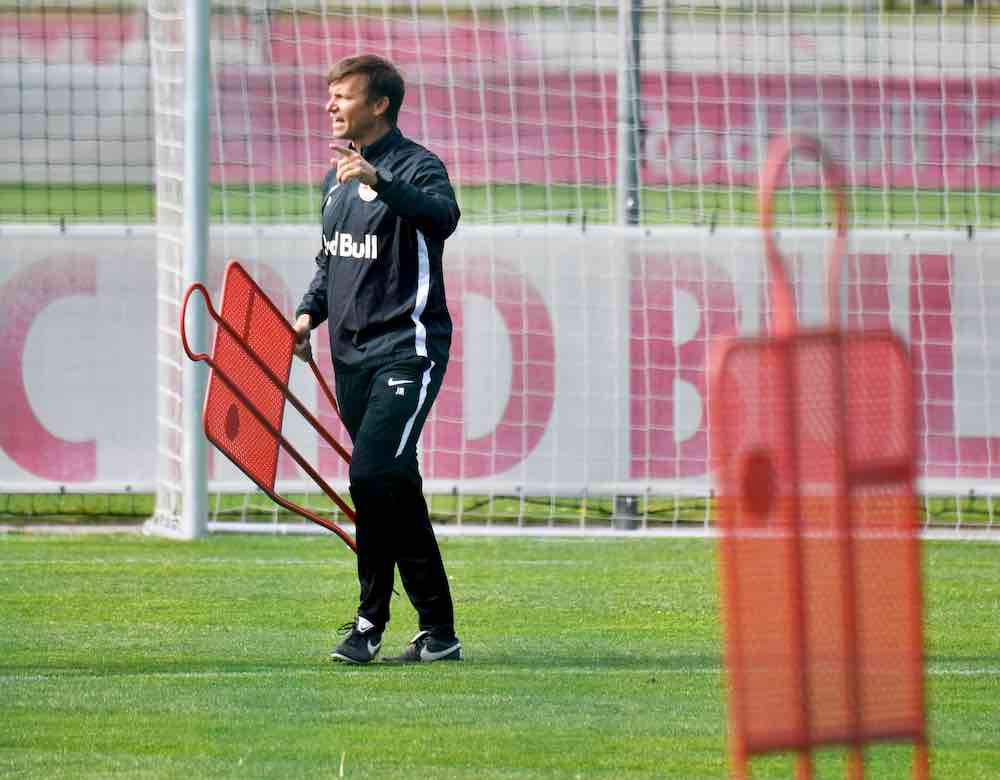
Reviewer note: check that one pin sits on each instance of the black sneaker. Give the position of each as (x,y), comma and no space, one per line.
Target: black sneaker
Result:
(362,643)
(425,647)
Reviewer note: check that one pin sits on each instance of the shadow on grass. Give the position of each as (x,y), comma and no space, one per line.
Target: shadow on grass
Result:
(495,663)
(544,663)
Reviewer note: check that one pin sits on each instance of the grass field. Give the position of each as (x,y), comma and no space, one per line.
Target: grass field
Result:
(139,657)
(590,204)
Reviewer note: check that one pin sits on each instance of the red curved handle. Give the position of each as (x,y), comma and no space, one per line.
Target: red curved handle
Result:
(196,287)
(778,152)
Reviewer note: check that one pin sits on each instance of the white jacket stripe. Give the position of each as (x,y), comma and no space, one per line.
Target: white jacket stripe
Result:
(423,289)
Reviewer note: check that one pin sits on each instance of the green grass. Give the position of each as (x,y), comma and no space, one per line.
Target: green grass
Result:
(143,657)
(559,204)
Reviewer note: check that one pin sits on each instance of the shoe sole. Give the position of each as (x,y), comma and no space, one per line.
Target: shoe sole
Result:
(349,660)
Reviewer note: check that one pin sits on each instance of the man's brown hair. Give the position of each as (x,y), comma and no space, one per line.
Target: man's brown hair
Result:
(384,80)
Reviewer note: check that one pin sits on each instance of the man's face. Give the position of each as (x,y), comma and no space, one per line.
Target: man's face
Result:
(352,116)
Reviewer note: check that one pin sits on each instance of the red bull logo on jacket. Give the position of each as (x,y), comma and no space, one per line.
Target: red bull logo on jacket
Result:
(344,245)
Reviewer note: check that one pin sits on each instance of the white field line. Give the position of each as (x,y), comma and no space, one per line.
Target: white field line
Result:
(331,668)
(989,534)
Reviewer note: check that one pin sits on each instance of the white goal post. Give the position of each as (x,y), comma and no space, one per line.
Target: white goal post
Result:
(180,47)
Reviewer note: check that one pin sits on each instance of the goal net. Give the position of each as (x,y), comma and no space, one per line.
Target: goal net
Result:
(605,156)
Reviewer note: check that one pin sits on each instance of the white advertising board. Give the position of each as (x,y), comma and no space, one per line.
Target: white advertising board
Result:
(579,358)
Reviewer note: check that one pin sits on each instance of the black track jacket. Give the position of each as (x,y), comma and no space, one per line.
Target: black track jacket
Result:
(379,278)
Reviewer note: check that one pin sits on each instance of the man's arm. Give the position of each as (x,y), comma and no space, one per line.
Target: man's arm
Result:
(428,202)
(312,311)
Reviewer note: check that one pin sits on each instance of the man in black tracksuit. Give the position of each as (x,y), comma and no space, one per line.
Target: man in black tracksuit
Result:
(387,209)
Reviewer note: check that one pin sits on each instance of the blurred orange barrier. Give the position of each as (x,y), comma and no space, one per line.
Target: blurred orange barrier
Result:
(813,444)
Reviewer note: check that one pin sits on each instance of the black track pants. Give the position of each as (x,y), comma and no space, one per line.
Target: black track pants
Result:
(384,410)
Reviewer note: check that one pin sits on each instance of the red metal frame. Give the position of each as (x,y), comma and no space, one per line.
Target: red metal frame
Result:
(273,430)
(806,556)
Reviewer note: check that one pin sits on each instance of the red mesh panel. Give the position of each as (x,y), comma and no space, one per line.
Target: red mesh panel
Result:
(229,424)
(752,426)
(886,548)
(820,566)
